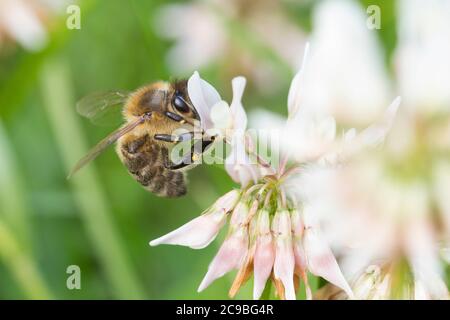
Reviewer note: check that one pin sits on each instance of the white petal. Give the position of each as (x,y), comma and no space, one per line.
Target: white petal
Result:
(350,135)
(295,88)
(377,132)
(420,291)
(327,129)
(367,283)
(345,76)
(423,33)
(203,96)
(197,233)
(21,22)
(239,166)
(199,37)
(268,129)
(382,290)
(237,110)
(221,115)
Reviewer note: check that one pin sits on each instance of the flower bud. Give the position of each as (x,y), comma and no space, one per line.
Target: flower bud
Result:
(227,202)
(239,215)
(230,256)
(264,253)
(284,255)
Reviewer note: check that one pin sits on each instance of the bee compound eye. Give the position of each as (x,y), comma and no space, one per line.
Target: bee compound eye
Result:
(180,104)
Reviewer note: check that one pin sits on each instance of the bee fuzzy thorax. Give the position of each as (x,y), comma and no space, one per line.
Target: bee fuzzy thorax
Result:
(148,98)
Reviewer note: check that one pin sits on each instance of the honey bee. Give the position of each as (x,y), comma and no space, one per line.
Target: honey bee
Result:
(152,114)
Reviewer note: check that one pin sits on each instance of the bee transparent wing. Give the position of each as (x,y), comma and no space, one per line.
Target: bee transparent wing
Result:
(103,107)
(105,143)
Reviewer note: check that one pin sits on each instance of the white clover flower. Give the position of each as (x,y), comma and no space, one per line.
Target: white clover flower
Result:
(387,207)
(201,35)
(26,21)
(273,232)
(344,76)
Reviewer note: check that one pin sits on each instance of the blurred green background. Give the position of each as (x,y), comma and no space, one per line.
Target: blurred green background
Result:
(102,220)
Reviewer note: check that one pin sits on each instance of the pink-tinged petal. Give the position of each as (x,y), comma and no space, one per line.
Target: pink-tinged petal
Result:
(197,233)
(295,88)
(203,97)
(230,256)
(236,108)
(264,254)
(244,272)
(298,229)
(284,264)
(301,266)
(221,115)
(263,264)
(321,261)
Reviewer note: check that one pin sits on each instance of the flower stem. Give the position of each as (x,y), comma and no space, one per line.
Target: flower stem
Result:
(15,238)
(21,265)
(12,195)
(88,193)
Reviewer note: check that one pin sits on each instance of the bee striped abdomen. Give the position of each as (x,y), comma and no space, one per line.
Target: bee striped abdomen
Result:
(145,161)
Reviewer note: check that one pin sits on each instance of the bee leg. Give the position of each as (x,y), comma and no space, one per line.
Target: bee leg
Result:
(174,117)
(190,158)
(137,153)
(178,118)
(179,138)
(187,160)
(134,145)
(174,138)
